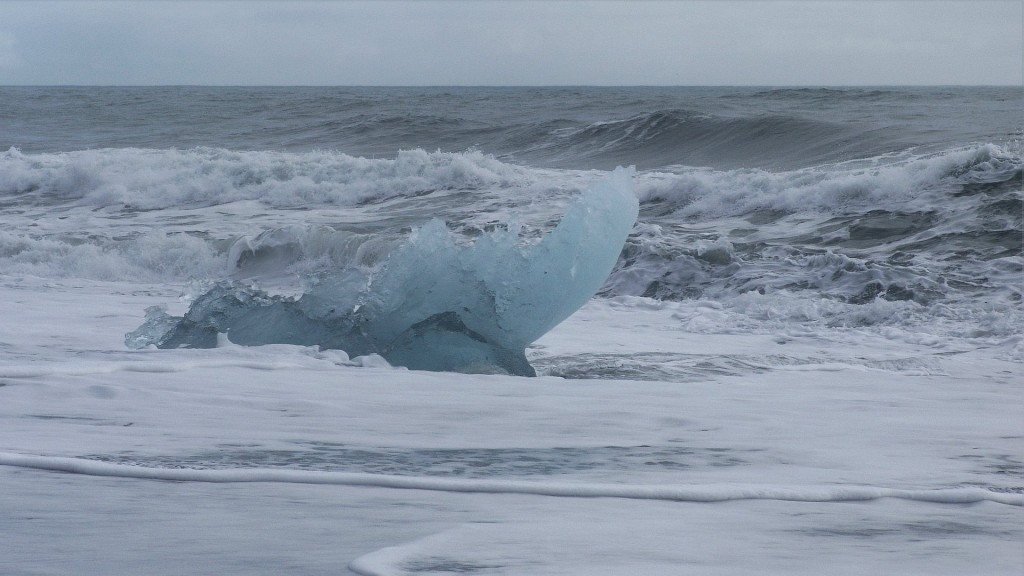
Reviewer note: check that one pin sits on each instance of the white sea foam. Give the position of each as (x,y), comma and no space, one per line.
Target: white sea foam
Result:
(780,442)
(148,257)
(880,183)
(142,179)
(707,493)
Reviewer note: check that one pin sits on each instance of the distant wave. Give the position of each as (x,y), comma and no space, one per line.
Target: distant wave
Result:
(686,493)
(687,137)
(573,128)
(829,94)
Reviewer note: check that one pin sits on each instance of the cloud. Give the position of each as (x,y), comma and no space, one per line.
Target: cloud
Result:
(511,43)
(8,55)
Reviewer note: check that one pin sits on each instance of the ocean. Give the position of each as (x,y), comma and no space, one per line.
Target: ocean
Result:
(804,358)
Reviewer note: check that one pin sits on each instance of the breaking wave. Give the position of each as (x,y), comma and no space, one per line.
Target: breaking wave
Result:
(890,240)
(145,179)
(148,257)
(883,182)
(919,229)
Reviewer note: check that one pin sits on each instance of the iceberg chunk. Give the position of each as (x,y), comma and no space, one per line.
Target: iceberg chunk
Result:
(434,304)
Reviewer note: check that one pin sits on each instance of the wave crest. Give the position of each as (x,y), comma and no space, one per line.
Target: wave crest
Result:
(687,137)
(146,179)
(837,189)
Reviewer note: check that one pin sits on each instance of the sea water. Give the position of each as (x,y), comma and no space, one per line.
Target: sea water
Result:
(862,207)
(819,301)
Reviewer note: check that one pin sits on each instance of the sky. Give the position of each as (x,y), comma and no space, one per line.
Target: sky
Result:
(493,42)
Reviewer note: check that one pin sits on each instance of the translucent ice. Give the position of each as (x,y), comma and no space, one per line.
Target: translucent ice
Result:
(435,304)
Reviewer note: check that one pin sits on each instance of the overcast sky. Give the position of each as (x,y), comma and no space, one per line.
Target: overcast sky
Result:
(512,43)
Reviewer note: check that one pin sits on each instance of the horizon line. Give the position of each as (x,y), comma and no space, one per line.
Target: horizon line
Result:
(512,85)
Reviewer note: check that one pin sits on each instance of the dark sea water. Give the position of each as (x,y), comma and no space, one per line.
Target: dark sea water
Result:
(787,206)
(586,127)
